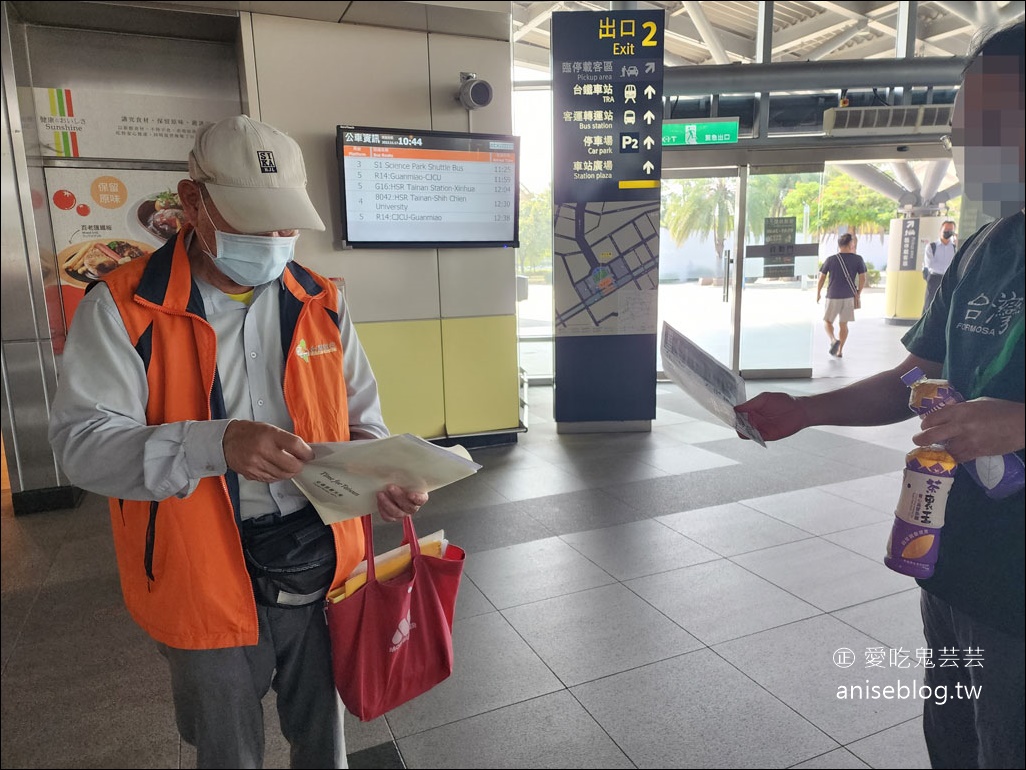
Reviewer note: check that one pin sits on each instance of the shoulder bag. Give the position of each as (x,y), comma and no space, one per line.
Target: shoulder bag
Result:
(851,283)
(391,640)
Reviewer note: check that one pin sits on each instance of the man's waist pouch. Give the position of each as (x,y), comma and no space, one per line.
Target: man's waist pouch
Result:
(291,559)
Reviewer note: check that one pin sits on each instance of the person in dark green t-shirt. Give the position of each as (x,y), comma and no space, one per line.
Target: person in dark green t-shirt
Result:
(971,335)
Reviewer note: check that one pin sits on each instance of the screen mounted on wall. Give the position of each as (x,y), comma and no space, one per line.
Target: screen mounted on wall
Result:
(428,189)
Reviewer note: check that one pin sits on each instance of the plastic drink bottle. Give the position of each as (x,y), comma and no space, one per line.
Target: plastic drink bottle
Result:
(999,476)
(915,535)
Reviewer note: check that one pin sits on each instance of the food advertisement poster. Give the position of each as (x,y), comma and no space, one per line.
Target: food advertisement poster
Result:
(106,218)
(82,123)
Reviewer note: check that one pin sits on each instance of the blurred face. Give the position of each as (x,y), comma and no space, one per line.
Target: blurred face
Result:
(987,130)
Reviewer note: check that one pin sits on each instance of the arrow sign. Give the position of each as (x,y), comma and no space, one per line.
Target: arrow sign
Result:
(648,167)
(649,67)
(649,141)
(649,91)
(649,117)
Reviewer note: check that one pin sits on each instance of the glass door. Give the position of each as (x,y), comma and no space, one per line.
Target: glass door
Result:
(777,283)
(697,243)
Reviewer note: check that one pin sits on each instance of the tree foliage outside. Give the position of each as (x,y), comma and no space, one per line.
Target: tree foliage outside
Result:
(534,256)
(841,203)
(701,208)
(766,195)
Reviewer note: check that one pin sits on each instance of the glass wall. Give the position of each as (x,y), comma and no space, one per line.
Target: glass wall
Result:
(532,121)
(696,247)
(778,304)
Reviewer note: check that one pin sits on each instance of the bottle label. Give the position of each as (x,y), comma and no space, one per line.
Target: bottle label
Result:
(930,395)
(1000,477)
(922,501)
(912,550)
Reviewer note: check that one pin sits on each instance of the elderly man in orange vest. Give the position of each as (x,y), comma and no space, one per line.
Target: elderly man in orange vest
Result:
(189,395)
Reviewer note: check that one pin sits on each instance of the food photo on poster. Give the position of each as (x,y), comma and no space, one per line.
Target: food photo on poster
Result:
(85,262)
(161,214)
(104,218)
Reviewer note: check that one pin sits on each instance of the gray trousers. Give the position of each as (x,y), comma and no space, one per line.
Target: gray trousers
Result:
(218,693)
(985,730)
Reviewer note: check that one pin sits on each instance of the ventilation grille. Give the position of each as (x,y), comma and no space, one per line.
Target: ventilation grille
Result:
(870,121)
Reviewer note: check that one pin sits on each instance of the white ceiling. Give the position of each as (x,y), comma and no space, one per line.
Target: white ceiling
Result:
(801,30)
(696,32)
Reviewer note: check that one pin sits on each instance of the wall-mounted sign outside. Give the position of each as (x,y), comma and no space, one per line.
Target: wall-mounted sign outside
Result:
(679,133)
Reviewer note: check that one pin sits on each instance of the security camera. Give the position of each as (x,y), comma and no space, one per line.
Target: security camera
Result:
(474,93)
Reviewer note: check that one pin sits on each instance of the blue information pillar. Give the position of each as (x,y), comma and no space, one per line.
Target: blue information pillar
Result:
(607,87)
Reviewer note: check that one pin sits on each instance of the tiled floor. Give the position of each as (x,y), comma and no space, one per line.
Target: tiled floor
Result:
(663,599)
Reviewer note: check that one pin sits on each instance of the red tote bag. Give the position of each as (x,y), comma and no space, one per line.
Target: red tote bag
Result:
(392,640)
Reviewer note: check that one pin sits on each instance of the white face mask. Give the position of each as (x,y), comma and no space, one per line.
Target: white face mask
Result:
(253,260)
(250,260)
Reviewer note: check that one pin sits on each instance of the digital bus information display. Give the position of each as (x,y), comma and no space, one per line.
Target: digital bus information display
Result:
(409,188)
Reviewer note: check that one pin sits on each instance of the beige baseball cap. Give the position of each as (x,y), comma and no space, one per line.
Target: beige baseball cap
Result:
(255,175)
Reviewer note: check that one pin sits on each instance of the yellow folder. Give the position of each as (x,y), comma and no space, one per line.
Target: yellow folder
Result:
(390,564)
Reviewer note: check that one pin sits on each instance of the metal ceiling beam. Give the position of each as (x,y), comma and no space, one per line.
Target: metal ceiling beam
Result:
(876,179)
(948,193)
(882,17)
(532,56)
(1012,11)
(837,41)
(679,25)
(965,11)
(795,150)
(990,14)
(827,23)
(941,36)
(907,176)
(539,14)
(800,76)
(933,177)
(708,32)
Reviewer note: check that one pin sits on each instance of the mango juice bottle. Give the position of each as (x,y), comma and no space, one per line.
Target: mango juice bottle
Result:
(914,542)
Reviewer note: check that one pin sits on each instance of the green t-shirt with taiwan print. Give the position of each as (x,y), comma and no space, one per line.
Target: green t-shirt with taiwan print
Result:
(974,327)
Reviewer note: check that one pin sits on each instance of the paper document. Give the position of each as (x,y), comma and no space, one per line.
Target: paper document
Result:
(343,479)
(388,565)
(714,386)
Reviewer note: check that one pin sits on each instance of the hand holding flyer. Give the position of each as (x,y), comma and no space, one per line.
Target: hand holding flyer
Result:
(710,383)
(343,479)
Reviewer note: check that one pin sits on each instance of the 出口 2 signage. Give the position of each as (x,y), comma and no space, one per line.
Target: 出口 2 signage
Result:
(607,86)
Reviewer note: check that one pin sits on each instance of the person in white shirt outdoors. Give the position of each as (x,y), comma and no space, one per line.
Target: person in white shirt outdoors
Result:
(847,274)
(937,258)
(192,385)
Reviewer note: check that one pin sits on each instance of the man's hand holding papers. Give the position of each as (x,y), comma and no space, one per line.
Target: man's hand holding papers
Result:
(357,478)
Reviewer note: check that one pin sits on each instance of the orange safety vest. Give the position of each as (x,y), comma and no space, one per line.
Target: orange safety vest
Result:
(183,574)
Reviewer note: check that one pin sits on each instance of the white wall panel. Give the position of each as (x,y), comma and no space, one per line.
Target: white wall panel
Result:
(477,282)
(490,60)
(390,285)
(313,76)
(473,282)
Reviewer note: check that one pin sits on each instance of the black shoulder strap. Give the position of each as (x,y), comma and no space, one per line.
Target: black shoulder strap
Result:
(974,247)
